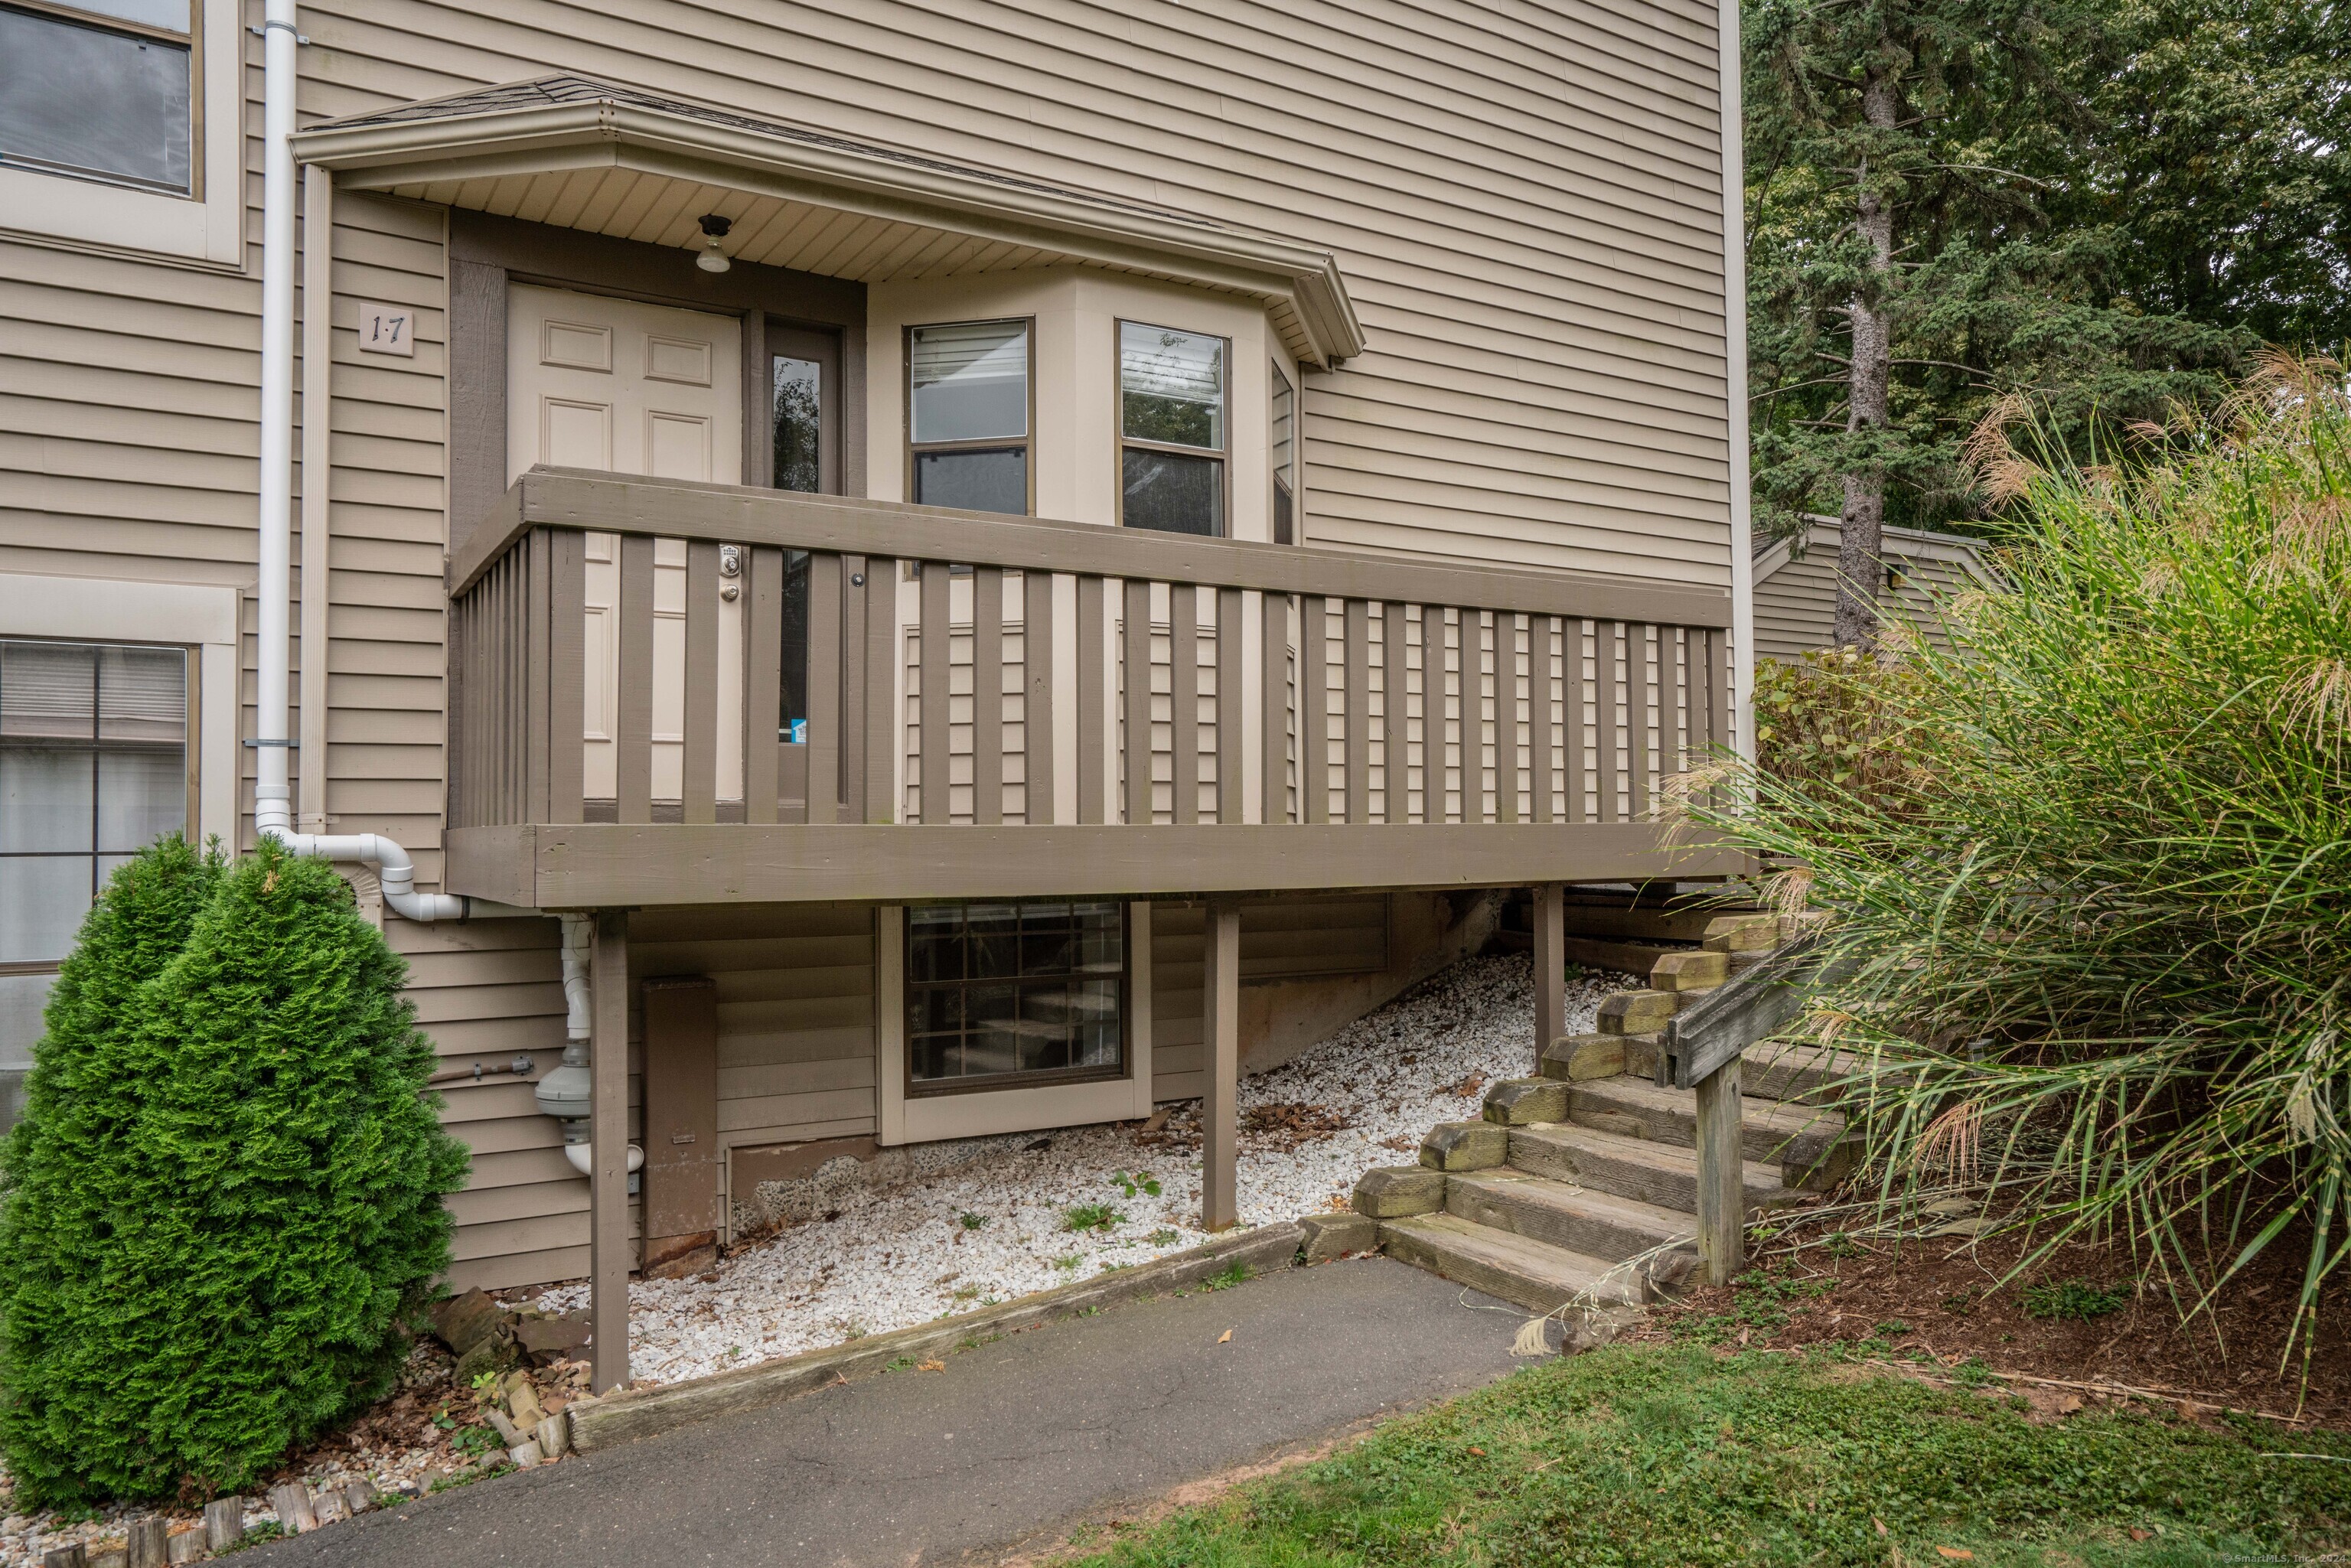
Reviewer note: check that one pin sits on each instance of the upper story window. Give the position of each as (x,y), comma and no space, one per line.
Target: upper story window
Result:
(969,415)
(1282,447)
(101,89)
(1172,422)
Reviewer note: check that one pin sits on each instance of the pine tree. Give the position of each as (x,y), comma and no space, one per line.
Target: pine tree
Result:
(64,1162)
(279,1212)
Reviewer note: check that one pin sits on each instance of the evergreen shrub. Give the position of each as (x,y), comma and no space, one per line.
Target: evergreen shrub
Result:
(275,1207)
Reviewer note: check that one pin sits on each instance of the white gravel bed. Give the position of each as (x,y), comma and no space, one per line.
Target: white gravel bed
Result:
(997,1227)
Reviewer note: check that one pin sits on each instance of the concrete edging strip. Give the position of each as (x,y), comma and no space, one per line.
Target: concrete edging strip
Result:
(632,1414)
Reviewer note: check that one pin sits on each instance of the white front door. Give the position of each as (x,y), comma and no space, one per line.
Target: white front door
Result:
(629,388)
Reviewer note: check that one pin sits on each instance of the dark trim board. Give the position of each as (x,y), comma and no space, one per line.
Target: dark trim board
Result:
(600,865)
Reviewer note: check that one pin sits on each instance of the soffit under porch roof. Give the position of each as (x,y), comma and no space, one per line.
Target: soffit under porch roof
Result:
(577,153)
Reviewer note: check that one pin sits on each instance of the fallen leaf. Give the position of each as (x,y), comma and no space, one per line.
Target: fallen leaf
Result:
(1224,1336)
(2069,1404)
(1955,1554)
(2138,1534)
(1880,1524)
(932,1366)
(1479,1452)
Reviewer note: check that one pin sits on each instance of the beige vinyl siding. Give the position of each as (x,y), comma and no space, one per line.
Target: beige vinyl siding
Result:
(129,401)
(387,611)
(1796,607)
(485,990)
(796,1040)
(1284,939)
(1524,200)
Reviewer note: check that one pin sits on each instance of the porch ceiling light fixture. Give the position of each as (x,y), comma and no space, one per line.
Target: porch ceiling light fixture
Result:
(714,229)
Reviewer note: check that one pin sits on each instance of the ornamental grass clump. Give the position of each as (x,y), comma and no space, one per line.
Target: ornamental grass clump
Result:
(270,1202)
(2088,901)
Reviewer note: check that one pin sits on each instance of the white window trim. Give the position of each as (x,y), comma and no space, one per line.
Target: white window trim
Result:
(984,1113)
(59,207)
(105,609)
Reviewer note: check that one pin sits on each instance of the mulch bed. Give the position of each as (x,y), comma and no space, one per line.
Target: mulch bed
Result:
(1942,1298)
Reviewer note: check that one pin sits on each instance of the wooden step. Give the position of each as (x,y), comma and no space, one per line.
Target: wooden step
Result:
(1792,1136)
(1773,1071)
(1532,1274)
(1577,1220)
(1662,1174)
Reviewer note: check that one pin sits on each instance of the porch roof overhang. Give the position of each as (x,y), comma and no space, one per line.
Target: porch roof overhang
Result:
(577,153)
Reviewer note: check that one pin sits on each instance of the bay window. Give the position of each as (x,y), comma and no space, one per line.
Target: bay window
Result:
(968,416)
(1172,429)
(1284,449)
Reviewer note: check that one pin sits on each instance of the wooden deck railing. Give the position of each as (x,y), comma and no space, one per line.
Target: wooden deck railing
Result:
(619,653)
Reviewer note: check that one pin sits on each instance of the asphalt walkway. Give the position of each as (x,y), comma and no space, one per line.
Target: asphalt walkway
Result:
(1015,1442)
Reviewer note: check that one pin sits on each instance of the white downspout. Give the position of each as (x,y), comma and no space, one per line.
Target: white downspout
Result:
(565,1093)
(273,806)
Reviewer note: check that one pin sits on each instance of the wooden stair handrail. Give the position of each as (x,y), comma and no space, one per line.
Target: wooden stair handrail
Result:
(1714,1031)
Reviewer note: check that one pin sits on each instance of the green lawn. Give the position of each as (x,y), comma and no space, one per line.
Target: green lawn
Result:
(1640,1455)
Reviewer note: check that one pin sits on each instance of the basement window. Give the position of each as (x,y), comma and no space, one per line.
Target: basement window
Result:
(1008,994)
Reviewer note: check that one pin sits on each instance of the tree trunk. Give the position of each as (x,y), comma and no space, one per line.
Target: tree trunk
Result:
(1860,567)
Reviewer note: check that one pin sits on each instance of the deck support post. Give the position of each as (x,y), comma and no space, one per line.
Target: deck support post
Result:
(1721,1185)
(1221,1052)
(1551,968)
(608,1131)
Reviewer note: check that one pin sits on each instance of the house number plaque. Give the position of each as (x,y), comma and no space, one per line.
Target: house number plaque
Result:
(387,329)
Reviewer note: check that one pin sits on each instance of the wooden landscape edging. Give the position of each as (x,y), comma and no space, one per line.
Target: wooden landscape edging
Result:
(625,1416)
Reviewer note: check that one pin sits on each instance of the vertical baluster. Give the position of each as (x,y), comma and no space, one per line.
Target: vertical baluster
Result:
(1395,683)
(699,776)
(1603,701)
(886,719)
(1573,687)
(825,641)
(567,674)
(1184,702)
(1542,637)
(986,695)
(1473,715)
(932,648)
(1357,629)
(1639,751)
(1093,759)
(1506,715)
(633,741)
(1718,691)
(1440,683)
(1135,751)
(1273,714)
(1228,704)
(854,569)
(763,687)
(1314,709)
(1037,703)
(532,742)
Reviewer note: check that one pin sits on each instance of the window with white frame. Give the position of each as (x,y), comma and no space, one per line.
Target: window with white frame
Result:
(1282,448)
(968,410)
(1172,429)
(101,89)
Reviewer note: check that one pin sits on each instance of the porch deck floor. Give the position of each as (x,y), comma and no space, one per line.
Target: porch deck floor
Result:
(1013,1445)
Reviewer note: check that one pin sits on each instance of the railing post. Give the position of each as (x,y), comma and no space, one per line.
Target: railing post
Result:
(609,1258)
(1220,1057)
(1551,968)
(1721,1186)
